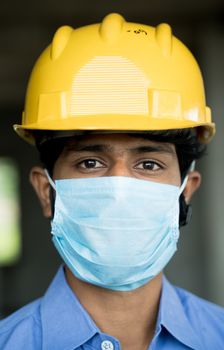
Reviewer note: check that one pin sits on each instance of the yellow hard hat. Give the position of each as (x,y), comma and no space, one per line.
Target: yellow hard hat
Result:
(116,76)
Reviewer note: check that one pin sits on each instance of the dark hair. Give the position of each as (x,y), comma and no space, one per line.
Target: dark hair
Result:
(187,146)
(186,143)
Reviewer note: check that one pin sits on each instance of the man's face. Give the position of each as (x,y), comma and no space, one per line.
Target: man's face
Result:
(97,155)
(118,155)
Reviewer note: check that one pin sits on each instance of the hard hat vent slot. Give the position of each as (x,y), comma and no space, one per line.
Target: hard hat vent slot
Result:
(109,84)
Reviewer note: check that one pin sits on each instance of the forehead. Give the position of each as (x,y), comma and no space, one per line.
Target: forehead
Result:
(112,142)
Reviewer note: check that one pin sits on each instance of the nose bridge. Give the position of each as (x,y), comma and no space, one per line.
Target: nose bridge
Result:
(119,168)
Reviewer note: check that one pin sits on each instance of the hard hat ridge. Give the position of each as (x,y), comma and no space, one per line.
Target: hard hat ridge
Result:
(60,40)
(164,38)
(111,27)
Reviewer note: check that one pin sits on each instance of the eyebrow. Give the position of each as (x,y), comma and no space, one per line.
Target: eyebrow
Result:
(108,149)
(158,148)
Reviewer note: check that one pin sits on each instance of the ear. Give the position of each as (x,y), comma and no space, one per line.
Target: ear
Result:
(41,186)
(193,183)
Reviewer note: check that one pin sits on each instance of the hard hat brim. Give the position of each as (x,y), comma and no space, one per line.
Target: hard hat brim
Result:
(118,123)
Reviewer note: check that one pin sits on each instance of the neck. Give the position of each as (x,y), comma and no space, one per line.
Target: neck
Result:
(128,316)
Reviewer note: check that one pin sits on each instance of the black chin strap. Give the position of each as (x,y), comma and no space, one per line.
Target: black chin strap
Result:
(52,200)
(185,211)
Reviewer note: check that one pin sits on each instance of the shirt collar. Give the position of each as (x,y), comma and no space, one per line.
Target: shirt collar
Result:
(65,323)
(172,316)
(72,326)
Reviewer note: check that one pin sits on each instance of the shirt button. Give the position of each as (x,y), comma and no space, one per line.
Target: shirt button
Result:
(107,345)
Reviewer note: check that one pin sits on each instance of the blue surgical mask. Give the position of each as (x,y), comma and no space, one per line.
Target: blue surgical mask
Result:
(115,232)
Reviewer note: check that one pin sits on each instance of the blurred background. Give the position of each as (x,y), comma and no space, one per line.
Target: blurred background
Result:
(28,260)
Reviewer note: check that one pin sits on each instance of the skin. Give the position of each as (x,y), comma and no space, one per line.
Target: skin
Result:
(128,316)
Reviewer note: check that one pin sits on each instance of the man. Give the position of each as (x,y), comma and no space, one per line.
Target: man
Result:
(118,114)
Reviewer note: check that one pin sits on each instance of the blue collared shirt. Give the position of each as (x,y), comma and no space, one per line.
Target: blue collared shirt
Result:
(59,322)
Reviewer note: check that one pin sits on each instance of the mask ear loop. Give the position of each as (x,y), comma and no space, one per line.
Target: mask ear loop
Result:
(192,166)
(52,191)
(51,182)
(184,183)
(185,209)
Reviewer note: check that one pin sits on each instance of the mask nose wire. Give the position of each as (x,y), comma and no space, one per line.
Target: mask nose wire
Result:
(182,187)
(184,219)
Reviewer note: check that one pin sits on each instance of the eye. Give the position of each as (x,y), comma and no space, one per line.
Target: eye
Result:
(148,165)
(90,164)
